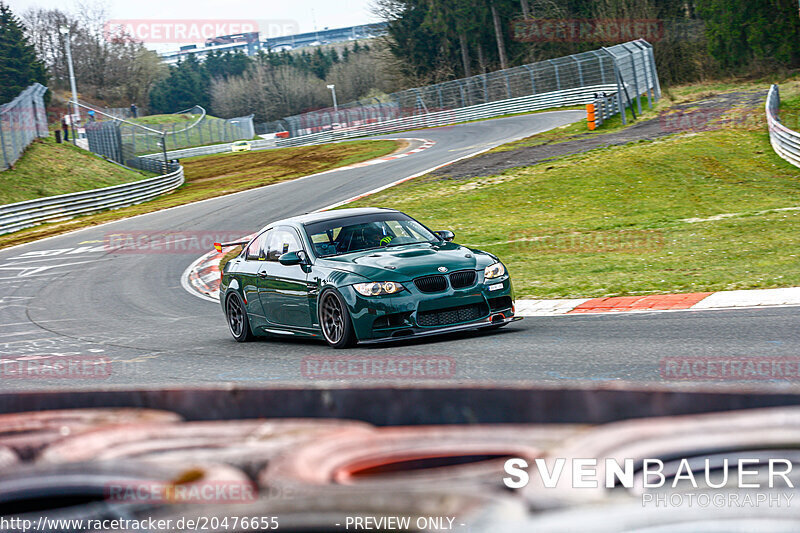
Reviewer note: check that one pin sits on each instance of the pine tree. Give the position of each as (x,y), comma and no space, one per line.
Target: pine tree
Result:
(19,66)
(188,84)
(742,33)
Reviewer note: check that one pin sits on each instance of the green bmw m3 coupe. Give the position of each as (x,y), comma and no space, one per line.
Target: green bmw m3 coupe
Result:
(361,276)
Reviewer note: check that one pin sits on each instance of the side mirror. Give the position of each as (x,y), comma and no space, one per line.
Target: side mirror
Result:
(446,235)
(293,258)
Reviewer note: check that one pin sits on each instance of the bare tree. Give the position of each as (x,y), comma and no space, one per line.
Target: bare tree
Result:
(362,75)
(114,69)
(268,92)
(498,30)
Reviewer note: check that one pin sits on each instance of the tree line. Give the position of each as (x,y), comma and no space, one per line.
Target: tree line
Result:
(428,41)
(270,85)
(437,40)
(113,70)
(280,85)
(19,64)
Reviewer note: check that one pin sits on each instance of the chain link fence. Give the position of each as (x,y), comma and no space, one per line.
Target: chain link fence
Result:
(21,121)
(630,67)
(198,131)
(147,145)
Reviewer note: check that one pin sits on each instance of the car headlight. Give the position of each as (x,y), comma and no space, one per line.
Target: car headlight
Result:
(494,271)
(377,288)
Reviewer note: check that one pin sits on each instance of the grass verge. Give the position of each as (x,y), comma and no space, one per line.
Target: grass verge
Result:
(183,119)
(704,211)
(217,175)
(49,169)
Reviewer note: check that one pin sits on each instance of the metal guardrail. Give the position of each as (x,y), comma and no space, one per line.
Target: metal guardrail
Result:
(785,142)
(210,150)
(523,104)
(14,217)
(601,108)
(631,66)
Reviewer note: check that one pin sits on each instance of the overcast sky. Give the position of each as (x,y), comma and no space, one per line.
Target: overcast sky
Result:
(303,14)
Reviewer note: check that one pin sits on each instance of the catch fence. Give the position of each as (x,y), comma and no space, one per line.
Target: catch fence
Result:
(22,120)
(627,69)
(149,145)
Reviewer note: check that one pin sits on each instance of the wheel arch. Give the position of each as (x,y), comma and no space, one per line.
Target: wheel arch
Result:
(329,287)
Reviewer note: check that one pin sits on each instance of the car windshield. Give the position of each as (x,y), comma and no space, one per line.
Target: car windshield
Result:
(355,234)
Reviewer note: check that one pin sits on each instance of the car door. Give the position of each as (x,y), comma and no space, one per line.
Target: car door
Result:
(284,289)
(248,274)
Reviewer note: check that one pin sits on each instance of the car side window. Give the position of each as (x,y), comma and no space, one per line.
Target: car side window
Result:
(282,240)
(256,248)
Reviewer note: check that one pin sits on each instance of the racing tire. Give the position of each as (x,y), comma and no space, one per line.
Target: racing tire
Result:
(28,433)
(236,316)
(334,320)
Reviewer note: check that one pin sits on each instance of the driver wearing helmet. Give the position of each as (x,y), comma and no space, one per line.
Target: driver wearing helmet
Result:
(374,235)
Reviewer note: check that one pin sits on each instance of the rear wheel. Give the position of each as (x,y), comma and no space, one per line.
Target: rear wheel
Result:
(335,320)
(238,324)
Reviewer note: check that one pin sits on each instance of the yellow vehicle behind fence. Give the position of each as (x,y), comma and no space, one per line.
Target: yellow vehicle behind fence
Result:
(241,146)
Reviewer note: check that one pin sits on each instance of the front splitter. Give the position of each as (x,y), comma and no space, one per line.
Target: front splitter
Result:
(443,331)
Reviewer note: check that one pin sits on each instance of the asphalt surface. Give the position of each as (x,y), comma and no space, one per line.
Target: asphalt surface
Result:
(123,319)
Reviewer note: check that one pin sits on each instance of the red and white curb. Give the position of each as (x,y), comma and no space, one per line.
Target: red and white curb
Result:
(662,302)
(202,277)
(424,146)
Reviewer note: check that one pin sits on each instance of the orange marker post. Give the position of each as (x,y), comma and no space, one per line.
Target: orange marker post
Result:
(590,119)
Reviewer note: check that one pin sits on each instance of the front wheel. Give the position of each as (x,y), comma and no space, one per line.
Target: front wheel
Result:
(238,324)
(335,320)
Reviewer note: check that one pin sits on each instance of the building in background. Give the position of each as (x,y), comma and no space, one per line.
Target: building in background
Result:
(250,43)
(324,36)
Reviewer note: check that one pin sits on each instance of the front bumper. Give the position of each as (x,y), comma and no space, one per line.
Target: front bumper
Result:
(485,323)
(413,313)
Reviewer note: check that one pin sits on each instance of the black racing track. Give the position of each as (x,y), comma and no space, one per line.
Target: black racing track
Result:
(132,309)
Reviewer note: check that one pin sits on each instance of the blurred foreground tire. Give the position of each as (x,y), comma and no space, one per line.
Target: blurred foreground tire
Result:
(29,432)
(97,490)
(414,457)
(245,444)
(8,458)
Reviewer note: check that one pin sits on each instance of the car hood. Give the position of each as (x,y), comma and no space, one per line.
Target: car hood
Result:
(403,263)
